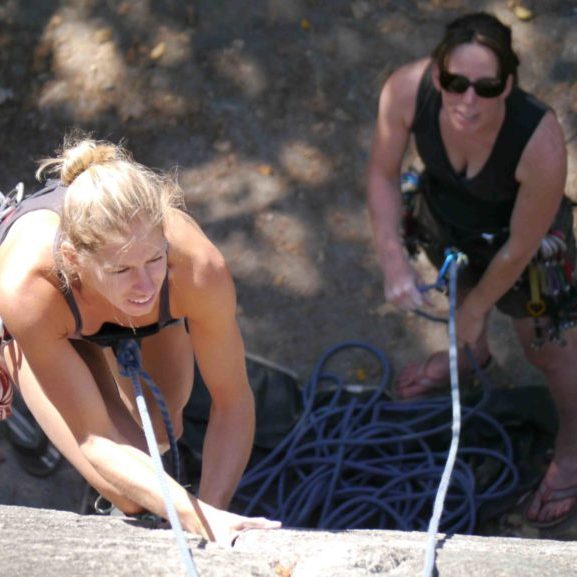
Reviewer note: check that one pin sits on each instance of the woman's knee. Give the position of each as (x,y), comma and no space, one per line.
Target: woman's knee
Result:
(541,361)
(551,358)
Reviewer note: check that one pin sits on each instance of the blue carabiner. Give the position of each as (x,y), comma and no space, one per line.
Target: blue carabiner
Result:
(440,284)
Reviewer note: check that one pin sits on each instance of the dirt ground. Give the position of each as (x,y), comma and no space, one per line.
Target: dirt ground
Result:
(265,108)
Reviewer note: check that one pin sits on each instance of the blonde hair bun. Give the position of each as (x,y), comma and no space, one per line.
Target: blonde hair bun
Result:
(82,156)
(78,156)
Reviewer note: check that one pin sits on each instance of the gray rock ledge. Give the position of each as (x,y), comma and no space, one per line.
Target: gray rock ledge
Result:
(48,543)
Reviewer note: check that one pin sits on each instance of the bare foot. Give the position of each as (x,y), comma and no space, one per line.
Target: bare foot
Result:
(432,376)
(555,498)
(417,379)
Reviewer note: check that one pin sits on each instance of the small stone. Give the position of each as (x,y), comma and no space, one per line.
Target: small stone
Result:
(222,145)
(360,9)
(6,94)
(265,169)
(522,13)
(158,51)
(103,35)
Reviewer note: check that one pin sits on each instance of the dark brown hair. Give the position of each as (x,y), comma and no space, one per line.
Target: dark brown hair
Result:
(484,29)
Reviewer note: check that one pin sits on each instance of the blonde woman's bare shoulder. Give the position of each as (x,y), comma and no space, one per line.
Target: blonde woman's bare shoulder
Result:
(32,306)
(29,291)
(193,257)
(29,246)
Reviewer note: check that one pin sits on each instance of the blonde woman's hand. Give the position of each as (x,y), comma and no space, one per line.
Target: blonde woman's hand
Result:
(224,527)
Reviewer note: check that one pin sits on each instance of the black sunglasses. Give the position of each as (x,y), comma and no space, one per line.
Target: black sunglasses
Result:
(484,87)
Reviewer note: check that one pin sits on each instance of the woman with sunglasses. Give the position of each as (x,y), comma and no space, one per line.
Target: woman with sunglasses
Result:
(495,167)
(102,254)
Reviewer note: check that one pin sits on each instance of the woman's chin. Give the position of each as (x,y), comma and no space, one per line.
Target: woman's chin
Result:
(466,122)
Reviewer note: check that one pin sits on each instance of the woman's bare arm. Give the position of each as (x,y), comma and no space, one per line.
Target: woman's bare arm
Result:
(390,140)
(205,294)
(542,173)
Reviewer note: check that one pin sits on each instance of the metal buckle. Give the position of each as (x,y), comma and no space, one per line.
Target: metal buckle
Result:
(9,201)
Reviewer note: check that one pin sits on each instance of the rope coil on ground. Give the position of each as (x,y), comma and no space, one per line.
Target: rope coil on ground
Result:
(359,461)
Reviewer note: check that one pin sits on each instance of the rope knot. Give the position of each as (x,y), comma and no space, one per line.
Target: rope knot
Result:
(128,357)
(129,361)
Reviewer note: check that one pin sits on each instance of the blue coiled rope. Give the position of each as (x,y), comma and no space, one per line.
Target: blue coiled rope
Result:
(355,461)
(372,463)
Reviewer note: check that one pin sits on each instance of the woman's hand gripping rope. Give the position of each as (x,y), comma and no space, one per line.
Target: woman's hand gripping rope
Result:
(442,282)
(220,526)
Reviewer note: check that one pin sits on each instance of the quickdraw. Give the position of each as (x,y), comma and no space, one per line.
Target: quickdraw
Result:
(442,282)
(409,188)
(552,290)
(9,201)
(535,305)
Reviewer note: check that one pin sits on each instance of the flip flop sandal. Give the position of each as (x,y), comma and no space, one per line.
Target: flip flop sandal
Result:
(550,495)
(468,378)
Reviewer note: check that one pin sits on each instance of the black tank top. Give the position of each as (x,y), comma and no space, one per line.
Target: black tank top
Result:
(483,203)
(51,197)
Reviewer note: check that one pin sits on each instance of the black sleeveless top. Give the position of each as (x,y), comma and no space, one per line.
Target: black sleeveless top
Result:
(483,203)
(51,197)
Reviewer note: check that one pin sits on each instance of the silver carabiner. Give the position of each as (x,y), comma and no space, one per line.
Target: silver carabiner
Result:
(9,201)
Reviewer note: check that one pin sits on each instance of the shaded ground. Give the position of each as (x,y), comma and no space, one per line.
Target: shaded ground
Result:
(266,109)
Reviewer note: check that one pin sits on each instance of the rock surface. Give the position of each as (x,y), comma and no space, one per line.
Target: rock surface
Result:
(44,543)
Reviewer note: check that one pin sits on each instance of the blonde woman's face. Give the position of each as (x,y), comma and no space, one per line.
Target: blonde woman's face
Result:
(130,276)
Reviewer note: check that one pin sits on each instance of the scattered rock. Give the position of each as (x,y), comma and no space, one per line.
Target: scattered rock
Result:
(5,95)
(158,51)
(360,9)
